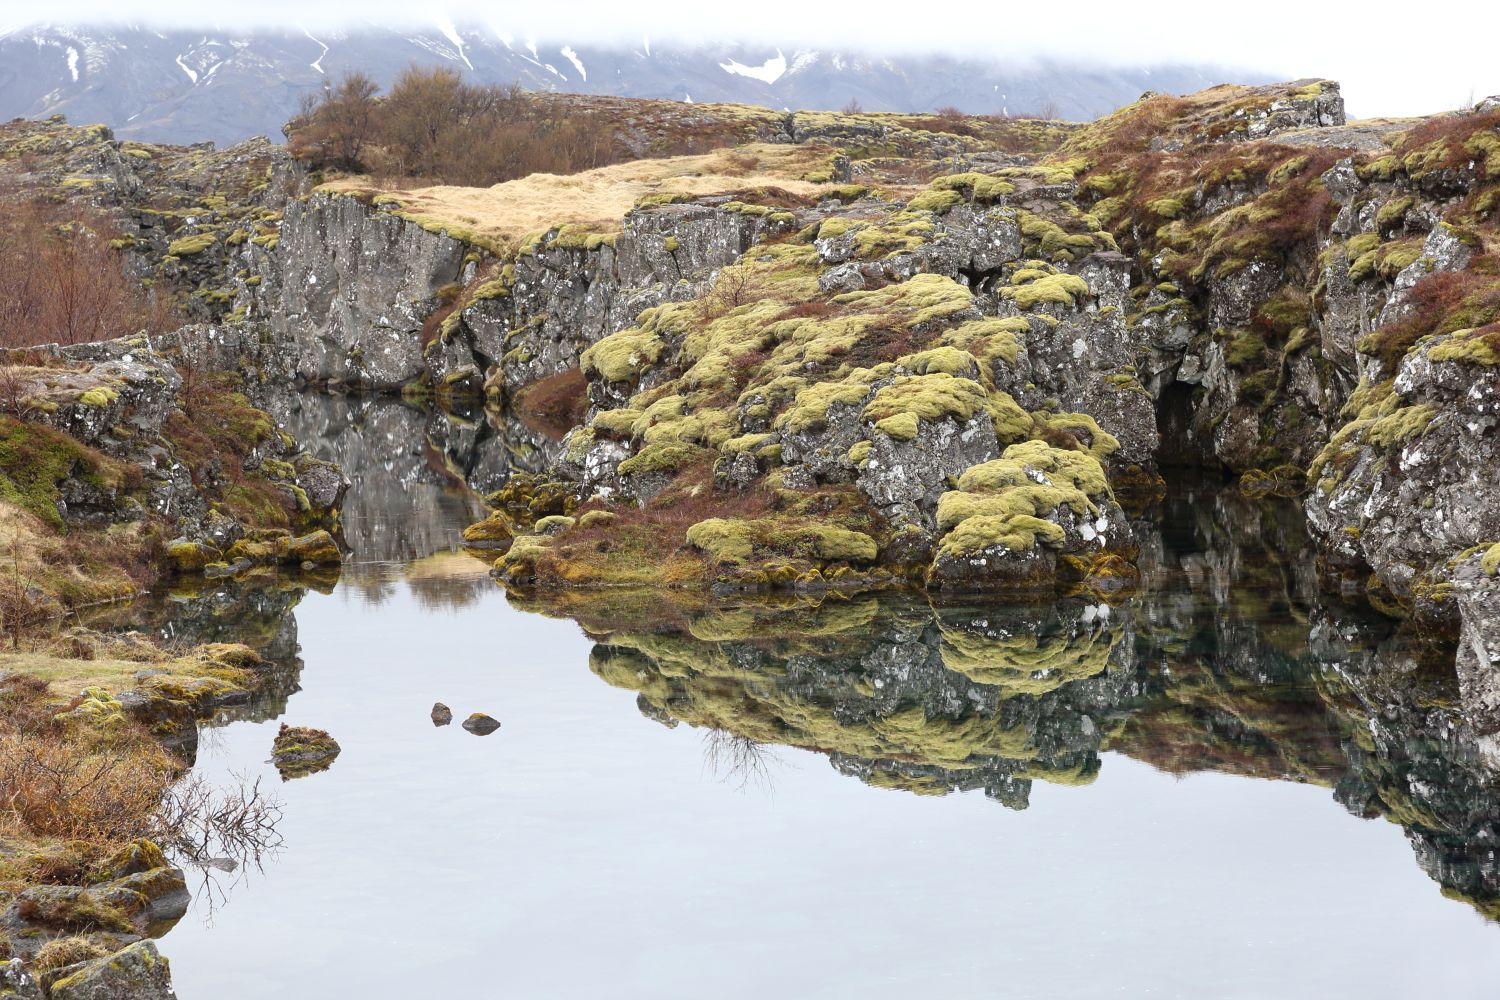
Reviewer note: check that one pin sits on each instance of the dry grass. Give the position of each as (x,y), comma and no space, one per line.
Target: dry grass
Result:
(599,199)
(43,573)
(70,784)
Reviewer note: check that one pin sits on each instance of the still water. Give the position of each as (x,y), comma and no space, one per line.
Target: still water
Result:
(1224,787)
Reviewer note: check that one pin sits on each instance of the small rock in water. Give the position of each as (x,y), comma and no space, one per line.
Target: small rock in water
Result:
(480,724)
(441,714)
(300,751)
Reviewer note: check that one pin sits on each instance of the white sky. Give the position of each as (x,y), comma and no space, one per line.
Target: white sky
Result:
(1408,62)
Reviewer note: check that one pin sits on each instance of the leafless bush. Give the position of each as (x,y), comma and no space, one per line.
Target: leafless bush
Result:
(61,280)
(53,784)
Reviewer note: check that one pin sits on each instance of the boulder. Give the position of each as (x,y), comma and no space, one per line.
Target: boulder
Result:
(138,972)
(480,724)
(301,750)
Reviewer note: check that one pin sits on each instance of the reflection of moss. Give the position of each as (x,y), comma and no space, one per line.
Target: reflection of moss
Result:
(799,677)
(1027,662)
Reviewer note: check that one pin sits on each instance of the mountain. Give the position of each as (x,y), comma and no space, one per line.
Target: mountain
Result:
(193,85)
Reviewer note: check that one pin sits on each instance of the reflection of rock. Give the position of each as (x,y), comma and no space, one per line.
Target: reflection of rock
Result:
(1414,756)
(255,610)
(870,684)
(1228,658)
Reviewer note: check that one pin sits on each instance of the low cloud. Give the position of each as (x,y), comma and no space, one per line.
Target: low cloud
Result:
(1425,64)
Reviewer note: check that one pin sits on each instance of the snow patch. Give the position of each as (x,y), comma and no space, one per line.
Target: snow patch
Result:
(767,72)
(73,62)
(184,67)
(317,63)
(572,57)
(451,33)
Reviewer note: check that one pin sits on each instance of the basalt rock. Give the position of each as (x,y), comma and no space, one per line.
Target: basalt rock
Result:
(138,972)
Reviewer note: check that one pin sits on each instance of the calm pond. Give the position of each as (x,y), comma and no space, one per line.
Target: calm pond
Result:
(1225,786)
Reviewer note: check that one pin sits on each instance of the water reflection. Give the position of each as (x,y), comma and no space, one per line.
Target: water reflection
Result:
(1226,659)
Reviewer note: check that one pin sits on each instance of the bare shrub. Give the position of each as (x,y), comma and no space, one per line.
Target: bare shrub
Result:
(433,126)
(55,784)
(61,280)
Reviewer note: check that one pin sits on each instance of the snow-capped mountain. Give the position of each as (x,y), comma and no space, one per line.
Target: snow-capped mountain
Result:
(192,85)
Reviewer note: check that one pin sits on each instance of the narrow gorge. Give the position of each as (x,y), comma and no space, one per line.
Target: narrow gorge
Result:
(965,454)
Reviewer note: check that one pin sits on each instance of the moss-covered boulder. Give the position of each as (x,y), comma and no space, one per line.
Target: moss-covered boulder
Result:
(1012,519)
(299,751)
(137,972)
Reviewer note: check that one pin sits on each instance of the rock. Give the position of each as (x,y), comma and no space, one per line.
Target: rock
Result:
(299,751)
(138,972)
(442,715)
(18,984)
(480,724)
(1478,660)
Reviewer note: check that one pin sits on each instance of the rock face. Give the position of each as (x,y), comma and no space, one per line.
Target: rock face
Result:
(1478,596)
(348,288)
(351,284)
(147,447)
(1412,480)
(138,972)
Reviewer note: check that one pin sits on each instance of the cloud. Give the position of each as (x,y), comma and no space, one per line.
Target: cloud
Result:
(1420,65)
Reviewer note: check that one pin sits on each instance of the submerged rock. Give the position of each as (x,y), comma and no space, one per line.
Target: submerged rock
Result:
(480,724)
(301,750)
(442,715)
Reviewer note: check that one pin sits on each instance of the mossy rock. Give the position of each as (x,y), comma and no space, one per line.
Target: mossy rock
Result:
(300,750)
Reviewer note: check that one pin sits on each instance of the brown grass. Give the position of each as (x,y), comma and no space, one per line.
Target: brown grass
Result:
(598,199)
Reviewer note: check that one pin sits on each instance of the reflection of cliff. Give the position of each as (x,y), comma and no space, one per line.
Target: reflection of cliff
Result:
(256,610)
(1413,757)
(872,685)
(1226,659)
(417,478)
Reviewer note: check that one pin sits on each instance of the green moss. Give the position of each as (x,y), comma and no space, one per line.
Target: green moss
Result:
(739,541)
(187,246)
(928,397)
(667,456)
(595,518)
(1474,347)
(901,427)
(1051,289)
(1393,212)
(1490,561)
(35,460)
(1244,349)
(1014,533)
(623,356)
(99,396)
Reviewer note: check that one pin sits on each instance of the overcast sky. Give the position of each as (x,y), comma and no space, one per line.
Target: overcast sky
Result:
(1421,60)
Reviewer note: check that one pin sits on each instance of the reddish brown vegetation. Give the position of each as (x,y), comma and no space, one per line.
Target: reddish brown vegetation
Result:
(61,281)
(434,126)
(1441,303)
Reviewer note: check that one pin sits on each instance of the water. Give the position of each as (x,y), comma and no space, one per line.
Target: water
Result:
(867,798)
